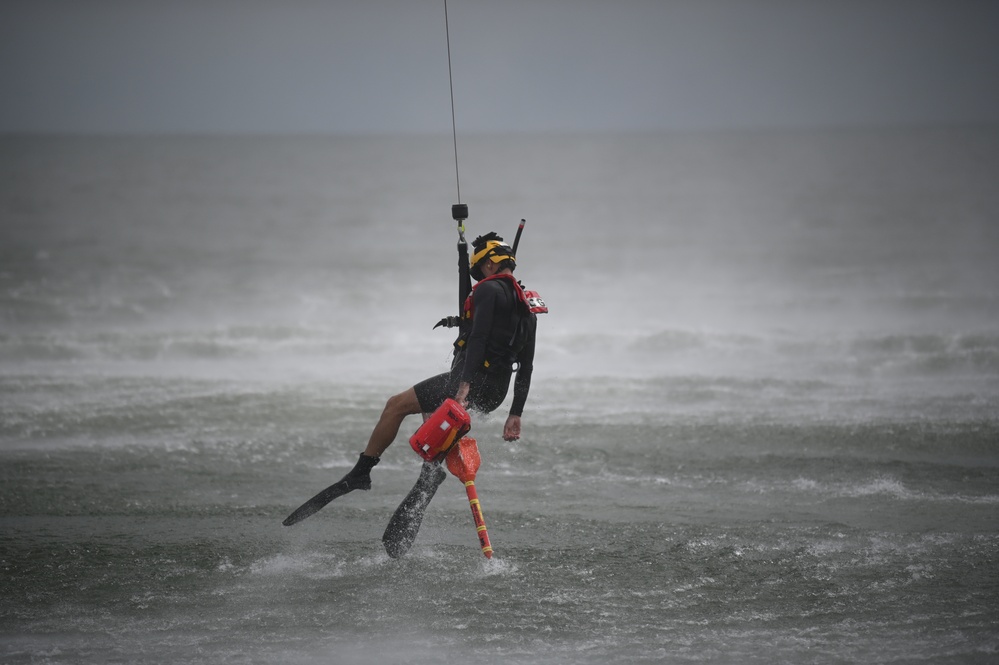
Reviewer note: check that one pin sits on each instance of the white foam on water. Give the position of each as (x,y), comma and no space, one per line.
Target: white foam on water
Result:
(310,564)
(498,566)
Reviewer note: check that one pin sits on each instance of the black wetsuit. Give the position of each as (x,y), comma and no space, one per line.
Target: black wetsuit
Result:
(501,335)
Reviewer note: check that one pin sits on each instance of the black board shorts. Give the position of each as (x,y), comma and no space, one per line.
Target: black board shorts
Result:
(487,392)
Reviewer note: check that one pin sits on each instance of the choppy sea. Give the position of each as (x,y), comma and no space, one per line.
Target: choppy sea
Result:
(764,426)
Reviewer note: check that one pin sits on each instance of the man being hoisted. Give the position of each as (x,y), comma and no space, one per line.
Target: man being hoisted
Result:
(496,337)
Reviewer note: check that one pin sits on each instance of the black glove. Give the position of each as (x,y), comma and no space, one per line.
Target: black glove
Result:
(448,322)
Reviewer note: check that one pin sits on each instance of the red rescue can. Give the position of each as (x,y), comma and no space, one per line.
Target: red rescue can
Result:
(438,433)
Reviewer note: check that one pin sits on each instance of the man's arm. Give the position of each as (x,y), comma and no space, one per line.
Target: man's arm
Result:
(522,384)
(521,387)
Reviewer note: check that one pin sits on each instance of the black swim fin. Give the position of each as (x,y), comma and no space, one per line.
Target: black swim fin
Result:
(405,523)
(358,478)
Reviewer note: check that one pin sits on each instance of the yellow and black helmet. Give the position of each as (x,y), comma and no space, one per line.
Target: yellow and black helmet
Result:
(489,247)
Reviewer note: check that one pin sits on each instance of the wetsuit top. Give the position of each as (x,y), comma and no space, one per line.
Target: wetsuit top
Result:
(493,341)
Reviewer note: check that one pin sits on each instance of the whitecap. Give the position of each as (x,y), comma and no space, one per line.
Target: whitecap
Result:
(497,566)
(313,565)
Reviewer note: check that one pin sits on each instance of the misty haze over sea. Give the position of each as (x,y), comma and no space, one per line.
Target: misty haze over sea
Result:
(762,428)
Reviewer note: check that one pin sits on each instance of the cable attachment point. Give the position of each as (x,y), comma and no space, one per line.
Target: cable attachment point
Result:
(459,212)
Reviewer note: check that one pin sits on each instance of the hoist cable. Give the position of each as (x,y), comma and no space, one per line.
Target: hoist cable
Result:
(450,78)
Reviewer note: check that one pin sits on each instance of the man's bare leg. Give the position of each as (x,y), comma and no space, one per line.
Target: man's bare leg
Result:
(359,478)
(396,409)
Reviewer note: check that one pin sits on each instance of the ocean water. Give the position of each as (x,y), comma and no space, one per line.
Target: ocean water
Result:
(763,426)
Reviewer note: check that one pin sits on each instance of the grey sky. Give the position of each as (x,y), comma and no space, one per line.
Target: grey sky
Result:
(533,65)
